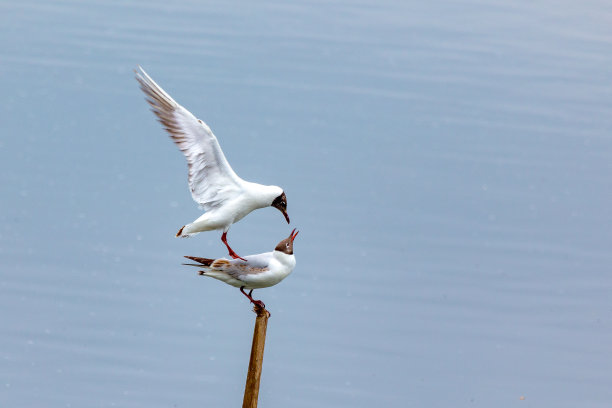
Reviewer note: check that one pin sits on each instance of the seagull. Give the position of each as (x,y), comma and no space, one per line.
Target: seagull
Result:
(252,271)
(225,197)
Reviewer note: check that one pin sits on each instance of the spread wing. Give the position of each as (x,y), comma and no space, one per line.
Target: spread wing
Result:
(211,178)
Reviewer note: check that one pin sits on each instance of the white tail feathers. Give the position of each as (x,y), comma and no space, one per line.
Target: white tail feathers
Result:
(185,233)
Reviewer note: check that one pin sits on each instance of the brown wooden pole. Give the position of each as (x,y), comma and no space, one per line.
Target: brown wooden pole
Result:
(251,390)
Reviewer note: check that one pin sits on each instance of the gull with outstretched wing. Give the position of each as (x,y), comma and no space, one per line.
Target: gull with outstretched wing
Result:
(224,196)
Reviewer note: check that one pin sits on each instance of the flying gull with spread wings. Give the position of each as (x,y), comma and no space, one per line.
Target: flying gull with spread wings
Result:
(224,196)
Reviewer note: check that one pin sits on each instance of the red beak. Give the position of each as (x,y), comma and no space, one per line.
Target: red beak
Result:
(286,216)
(292,235)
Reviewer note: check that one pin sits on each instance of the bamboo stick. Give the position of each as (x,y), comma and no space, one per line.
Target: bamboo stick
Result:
(251,389)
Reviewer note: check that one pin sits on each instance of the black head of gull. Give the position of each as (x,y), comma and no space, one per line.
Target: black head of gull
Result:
(280,203)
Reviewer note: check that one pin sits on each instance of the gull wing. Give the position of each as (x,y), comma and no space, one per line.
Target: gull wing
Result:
(236,268)
(211,178)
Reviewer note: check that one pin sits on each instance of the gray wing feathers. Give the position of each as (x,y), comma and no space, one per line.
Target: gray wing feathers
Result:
(236,268)
(211,178)
(256,261)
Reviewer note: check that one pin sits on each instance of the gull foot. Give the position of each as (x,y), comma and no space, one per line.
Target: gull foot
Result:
(259,303)
(236,256)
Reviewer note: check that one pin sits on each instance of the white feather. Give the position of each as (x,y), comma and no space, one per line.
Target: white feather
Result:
(224,196)
(212,180)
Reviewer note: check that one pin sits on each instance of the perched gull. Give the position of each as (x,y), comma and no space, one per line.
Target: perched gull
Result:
(255,271)
(224,196)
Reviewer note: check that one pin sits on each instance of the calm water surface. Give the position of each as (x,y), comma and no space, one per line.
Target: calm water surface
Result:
(448,166)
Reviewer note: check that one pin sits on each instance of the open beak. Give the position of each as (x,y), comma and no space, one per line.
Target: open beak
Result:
(293,234)
(286,216)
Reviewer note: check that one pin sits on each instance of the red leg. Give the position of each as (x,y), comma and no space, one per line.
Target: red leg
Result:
(231,251)
(248,295)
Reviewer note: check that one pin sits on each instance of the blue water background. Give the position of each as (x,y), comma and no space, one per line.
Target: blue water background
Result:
(447,163)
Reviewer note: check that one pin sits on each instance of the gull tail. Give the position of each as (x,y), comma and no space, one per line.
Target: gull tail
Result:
(201,263)
(185,233)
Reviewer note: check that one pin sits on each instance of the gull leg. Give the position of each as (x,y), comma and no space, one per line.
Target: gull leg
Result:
(255,302)
(231,251)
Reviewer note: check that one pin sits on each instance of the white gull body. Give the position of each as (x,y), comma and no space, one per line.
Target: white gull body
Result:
(255,271)
(258,271)
(224,196)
